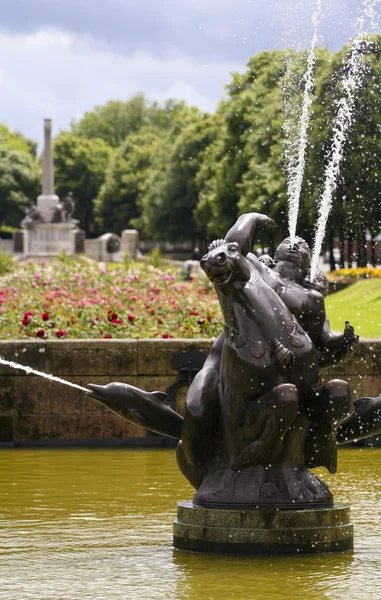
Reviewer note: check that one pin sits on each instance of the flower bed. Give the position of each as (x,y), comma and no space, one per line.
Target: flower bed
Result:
(74,298)
(354,274)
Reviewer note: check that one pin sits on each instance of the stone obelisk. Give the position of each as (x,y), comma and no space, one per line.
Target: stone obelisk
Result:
(48,238)
(48,200)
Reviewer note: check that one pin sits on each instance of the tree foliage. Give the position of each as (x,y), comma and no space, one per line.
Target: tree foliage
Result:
(117,119)
(172,190)
(119,197)
(14,140)
(80,167)
(20,183)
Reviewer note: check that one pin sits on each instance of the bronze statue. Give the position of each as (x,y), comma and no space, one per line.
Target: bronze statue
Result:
(256,417)
(289,277)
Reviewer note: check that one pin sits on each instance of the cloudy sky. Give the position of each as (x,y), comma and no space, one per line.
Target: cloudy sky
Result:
(59,58)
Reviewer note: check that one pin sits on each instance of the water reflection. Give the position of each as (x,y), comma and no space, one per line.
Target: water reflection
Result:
(97,524)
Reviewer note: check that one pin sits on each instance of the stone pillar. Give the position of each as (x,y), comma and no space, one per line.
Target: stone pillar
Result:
(130,239)
(48,176)
(47,201)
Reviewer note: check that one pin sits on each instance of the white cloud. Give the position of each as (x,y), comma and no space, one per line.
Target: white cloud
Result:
(48,38)
(55,74)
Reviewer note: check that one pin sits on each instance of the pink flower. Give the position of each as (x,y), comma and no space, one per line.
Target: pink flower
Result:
(131,317)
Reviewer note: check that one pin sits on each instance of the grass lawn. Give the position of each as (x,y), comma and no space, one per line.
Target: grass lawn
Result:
(360,304)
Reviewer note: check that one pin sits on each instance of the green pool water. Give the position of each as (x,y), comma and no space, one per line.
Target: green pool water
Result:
(97,524)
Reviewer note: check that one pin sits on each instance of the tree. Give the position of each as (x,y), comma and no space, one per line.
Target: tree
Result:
(356,205)
(117,119)
(119,197)
(14,140)
(171,192)
(243,169)
(80,167)
(20,183)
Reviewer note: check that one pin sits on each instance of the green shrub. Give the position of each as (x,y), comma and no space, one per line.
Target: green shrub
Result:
(6,263)
(126,260)
(156,258)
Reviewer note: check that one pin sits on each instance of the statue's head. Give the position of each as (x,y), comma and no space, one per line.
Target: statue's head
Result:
(297,253)
(224,264)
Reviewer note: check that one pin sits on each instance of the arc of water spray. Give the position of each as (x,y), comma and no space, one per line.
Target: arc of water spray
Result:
(30,371)
(341,125)
(295,179)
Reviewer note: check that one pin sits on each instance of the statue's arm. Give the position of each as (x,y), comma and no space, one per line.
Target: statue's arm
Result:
(202,407)
(335,347)
(243,230)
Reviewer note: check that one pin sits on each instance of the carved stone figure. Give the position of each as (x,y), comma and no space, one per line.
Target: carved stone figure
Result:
(33,217)
(63,212)
(69,206)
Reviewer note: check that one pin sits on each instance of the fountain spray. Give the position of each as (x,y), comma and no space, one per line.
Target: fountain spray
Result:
(30,371)
(352,81)
(297,157)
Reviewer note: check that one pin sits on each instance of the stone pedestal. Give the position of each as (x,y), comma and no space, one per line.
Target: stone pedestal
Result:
(263,531)
(46,204)
(49,239)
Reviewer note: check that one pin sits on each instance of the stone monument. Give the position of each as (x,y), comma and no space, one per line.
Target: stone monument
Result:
(48,227)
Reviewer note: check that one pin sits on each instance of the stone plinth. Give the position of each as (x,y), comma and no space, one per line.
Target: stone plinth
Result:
(263,531)
(49,239)
(46,204)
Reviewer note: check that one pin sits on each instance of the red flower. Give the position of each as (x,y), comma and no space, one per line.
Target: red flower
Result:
(45,316)
(40,333)
(27,318)
(131,317)
(107,336)
(160,321)
(61,333)
(166,336)
(117,321)
(111,315)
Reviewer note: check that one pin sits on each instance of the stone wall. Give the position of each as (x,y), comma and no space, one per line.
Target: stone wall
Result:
(36,411)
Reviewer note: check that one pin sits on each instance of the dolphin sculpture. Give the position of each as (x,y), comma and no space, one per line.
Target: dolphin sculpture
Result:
(146,409)
(363,422)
